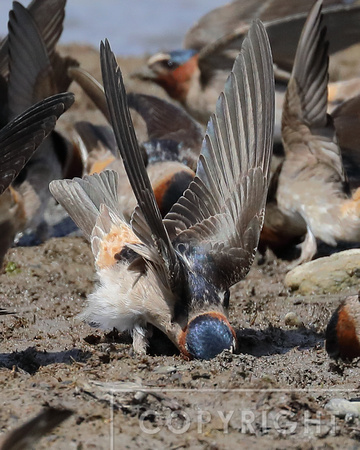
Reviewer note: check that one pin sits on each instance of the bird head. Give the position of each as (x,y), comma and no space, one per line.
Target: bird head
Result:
(173,71)
(207,335)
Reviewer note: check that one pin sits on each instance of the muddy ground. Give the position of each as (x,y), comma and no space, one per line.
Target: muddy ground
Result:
(271,394)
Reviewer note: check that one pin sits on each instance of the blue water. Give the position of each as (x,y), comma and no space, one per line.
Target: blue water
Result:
(132,26)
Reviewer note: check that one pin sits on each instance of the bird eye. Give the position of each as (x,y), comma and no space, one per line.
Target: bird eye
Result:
(226,299)
(169,64)
(181,248)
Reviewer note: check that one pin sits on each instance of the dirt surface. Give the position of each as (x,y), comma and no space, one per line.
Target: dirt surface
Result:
(271,394)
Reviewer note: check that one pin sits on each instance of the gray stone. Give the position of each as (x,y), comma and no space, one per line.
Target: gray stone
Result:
(326,275)
(343,408)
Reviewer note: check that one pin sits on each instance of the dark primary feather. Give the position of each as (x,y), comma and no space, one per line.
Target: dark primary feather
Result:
(224,19)
(341,21)
(310,70)
(49,17)
(28,61)
(166,121)
(222,211)
(172,133)
(21,137)
(219,34)
(26,436)
(306,98)
(133,160)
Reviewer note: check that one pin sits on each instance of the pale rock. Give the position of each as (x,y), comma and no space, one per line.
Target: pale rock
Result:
(342,408)
(326,275)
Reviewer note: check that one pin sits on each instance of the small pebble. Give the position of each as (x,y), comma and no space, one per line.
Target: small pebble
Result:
(292,320)
(165,369)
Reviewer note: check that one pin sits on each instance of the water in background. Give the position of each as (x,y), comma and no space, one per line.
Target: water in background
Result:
(133,27)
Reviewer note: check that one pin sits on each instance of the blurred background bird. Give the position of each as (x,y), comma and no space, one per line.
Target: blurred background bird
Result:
(343,330)
(311,195)
(30,71)
(19,140)
(170,148)
(195,75)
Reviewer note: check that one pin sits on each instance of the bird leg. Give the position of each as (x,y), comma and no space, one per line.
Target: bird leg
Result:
(141,335)
(308,249)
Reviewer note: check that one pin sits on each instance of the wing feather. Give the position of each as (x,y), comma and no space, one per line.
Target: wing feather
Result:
(49,17)
(83,197)
(21,137)
(223,209)
(133,161)
(306,128)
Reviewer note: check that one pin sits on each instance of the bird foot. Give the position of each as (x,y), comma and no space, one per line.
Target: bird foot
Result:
(308,250)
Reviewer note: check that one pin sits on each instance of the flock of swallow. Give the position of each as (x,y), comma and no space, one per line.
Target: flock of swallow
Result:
(175,221)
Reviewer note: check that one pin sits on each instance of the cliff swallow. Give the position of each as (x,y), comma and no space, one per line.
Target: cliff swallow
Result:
(175,273)
(195,75)
(170,151)
(28,434)
(18,141)
(35,72)
(171,133)
(343,330)
(312,195)
(169,177)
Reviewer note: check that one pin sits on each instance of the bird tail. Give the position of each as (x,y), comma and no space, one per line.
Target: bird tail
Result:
(82,197)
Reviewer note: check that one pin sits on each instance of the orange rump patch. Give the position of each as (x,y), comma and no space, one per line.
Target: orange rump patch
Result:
(356,195)
(352,206)
(99,166)
(113,243)
(332,92)
(349,345)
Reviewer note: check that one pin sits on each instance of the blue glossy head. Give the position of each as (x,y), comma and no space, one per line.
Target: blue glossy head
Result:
(208,335)
(180,57)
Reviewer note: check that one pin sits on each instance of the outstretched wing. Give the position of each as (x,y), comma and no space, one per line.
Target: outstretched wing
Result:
(218,36)
(226,18)
(49,18)
(308,132)
(154,232)
(21,137)
(221,214)
(30,70)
